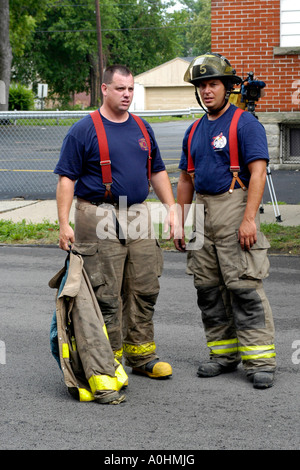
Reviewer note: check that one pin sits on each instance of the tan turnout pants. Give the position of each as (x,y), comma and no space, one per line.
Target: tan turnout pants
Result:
(236,314)
(124,273)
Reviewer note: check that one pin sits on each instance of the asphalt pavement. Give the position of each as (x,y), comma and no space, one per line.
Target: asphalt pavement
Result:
(182,415)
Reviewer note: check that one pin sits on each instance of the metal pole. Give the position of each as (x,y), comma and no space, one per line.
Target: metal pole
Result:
(273,195)
(251,109)
(99,40)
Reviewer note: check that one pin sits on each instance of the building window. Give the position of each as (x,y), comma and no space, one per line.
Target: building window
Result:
(290,143)
(289,23)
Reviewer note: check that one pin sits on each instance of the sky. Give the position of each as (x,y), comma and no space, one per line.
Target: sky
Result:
(178,6)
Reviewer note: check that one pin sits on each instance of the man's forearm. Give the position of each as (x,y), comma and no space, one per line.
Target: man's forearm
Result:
(255,194)
(163,189)
(185,192)
(161,184)
(64,199)
(248,230)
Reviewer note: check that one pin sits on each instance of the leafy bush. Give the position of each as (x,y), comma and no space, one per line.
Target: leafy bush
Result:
(20,98)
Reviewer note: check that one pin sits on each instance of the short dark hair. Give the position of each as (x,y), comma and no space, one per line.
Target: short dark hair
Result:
(112,69)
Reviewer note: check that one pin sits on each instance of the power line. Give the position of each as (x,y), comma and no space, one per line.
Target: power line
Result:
(121,29)
(68,5)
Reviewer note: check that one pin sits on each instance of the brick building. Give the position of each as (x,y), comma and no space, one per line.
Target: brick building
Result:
(263,36)
(249,34)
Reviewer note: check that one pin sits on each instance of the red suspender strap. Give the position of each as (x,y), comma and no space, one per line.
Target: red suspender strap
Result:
(147,138)
(190,166)
(103,148)
(104,151)
(233,141)
(234,151)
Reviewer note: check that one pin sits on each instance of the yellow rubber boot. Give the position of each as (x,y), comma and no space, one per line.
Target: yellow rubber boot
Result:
(155,369)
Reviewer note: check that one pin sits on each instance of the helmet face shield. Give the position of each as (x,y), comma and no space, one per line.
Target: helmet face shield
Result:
(210,66)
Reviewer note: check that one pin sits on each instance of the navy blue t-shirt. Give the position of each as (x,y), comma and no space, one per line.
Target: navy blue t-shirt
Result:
(210,150)
(80,160)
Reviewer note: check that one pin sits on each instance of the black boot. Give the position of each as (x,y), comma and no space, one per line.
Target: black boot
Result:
(263,379)
(211,369)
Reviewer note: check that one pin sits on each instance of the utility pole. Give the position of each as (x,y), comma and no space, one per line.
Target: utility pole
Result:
(99,40)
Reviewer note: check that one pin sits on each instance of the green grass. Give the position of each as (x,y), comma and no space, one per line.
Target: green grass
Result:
(45,122)
(65,121)
(284,240)
(28,233)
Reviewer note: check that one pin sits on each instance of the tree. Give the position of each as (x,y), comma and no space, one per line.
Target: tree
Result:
(61,45)
(51,55)
(5,55)
(65,51)
(18,20)
(198,35)
(145,39)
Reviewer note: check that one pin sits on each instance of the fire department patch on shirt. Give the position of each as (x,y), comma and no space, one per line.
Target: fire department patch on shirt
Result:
(219,142)
(143,144)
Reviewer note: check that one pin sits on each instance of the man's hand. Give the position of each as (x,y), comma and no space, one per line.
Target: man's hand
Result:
(248,231)
(180,244)
(172,222)
(247,234)
(66,237)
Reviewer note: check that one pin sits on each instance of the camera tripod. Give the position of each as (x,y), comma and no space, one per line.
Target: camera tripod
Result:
(272,195)
(251,108)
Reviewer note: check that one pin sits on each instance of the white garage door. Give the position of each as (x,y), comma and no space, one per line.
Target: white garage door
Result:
(170,98)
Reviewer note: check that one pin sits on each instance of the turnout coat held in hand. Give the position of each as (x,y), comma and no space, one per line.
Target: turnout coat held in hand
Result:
(79,340)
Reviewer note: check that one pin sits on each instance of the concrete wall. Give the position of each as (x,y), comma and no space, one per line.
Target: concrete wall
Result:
(273,123)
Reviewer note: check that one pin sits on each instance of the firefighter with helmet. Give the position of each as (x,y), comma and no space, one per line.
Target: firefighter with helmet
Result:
(231,261)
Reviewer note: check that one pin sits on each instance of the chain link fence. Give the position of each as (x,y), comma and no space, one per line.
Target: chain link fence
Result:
(30,144)
(29,150)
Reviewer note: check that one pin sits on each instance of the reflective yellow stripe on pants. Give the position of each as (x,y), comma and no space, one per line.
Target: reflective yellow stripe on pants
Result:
(224,347)
(139,350)
(118,354)
(247,352)
(257,352)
